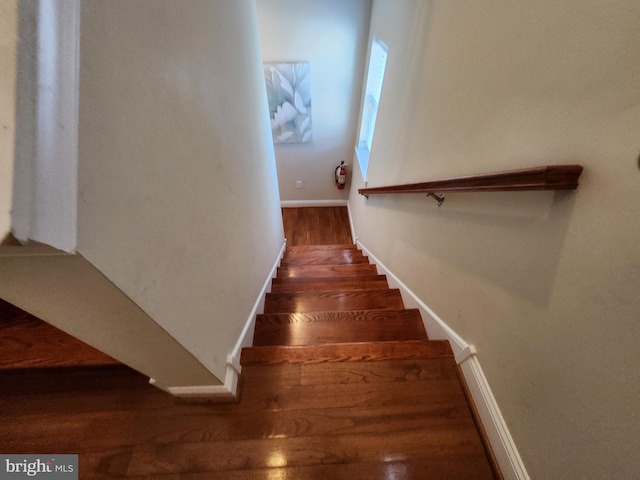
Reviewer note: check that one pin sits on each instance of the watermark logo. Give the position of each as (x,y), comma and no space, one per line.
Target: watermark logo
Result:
(46,467)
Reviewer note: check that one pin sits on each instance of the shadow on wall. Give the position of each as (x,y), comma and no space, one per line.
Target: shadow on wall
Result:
(515,247)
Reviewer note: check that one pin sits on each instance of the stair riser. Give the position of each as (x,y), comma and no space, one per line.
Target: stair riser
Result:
(324,286)
(329,283)
(309,271)
(319,248)
(324,260)
(313,280)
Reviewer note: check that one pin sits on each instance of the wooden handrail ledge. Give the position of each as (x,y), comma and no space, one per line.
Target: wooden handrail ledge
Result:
(549,177)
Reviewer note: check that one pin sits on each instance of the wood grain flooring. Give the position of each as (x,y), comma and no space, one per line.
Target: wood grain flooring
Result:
(389,299)
(300,271)
(360,282)
(310,328)
(327,393)
(316,226)
(28,342)
(336,324)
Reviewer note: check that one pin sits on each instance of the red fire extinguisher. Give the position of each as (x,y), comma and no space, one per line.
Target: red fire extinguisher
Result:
(341,175)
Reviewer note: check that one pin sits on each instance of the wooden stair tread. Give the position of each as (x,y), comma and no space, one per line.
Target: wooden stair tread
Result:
(321,301)
(313,328)
(474,468)
(353,282)
(346,352)
(318,248)
(380,371)
(309,318)
(324,257)
(436,444)
(327,270)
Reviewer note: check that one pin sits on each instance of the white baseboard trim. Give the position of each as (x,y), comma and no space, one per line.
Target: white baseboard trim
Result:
(437,328)
(354,239)
(246,337)
(229,390)
(225,392)
(312,203)
(492,420)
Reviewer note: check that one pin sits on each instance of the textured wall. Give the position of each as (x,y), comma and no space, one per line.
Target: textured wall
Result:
(178,196)
(544,284)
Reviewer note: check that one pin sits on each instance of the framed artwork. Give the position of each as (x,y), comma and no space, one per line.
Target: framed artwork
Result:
(289,96)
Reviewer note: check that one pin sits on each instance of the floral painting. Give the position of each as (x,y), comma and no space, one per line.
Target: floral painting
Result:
(289,95)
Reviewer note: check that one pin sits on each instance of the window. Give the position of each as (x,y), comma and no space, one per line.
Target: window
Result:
(373,89)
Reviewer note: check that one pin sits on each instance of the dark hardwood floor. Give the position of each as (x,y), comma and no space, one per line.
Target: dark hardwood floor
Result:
(27,342)
(316,226)
(356,393)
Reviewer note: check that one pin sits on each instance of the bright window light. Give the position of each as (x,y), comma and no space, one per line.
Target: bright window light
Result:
(373,89)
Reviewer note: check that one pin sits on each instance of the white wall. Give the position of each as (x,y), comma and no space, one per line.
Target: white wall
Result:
(331,35)
(23,200)
(8,54)
(56,169)
(545,285)
(46,157)
(178,195)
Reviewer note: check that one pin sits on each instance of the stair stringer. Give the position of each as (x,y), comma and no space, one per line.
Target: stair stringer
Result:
(245,340)
(497,431)
(42,272)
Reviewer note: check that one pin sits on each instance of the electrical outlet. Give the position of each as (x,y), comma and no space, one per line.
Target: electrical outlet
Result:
(298,183)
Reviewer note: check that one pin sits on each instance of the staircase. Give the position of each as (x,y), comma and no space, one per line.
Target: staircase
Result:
(342,383)
(385,401)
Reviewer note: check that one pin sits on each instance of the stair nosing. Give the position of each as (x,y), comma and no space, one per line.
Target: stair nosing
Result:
(346,278)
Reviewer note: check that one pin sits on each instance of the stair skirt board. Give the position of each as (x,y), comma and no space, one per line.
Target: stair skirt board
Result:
(502,443)
(495,427)
(229,390)
(313,203)
(354,239)
(246,337)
